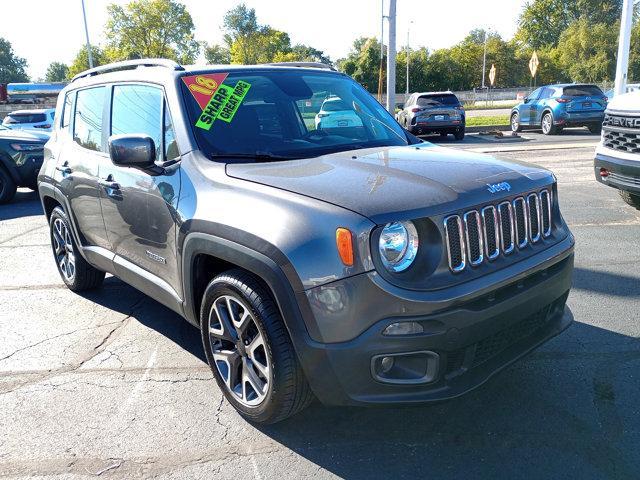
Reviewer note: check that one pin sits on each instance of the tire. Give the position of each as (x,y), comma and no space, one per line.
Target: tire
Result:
(282,389)
(548,128)
(74,270)
(515,122)
(595,128)
(630,198)
(7,187)
(459,135)
(444,134)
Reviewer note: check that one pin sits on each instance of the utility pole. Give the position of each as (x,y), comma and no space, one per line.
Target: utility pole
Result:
(380,82)
(484,58)
(408,55)
(623,47)
(86,32)
(391,59)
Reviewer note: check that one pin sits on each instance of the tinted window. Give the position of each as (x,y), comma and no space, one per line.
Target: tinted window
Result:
(87,128)
(171,151)
(546,93)
(438,100)
(583,91)
(66,110)
(535,94)
(53,115)
(136,109)
(17,118)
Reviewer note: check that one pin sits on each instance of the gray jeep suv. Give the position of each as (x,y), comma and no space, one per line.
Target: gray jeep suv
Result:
(357,264)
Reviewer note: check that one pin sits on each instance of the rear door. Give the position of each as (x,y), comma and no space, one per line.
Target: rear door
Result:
(139,207)
(538,106)
(78,161)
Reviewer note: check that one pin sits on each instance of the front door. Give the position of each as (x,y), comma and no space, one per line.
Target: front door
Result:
(528,109)
(139,207)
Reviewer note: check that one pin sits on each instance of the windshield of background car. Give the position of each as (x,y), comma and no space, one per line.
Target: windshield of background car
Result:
(277,113)
(26,118)
(583,91)
(438,101)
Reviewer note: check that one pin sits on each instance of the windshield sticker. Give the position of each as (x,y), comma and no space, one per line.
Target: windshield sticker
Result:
(230,108)
(213,108)
(203,86)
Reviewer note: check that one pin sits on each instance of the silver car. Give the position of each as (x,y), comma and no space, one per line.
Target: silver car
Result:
(433,112)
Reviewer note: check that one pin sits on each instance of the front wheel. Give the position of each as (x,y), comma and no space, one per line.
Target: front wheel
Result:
(548,128)
(249,349)
(596,128)
(630,198)
(515,122)
(7,187)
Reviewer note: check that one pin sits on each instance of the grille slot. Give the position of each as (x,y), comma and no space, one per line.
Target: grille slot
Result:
(545,212)
(490,230)
(533,208)
(473,237)
(455,243)
(506,227)
(482,234)
(621,133)
(520,220)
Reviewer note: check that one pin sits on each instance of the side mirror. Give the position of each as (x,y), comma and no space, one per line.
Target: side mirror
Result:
(137,151)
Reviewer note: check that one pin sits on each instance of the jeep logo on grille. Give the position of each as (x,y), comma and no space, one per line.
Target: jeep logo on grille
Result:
(625,122)
(498,187)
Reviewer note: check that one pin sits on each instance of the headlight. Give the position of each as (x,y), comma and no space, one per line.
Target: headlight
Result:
(398,245)
(27,147)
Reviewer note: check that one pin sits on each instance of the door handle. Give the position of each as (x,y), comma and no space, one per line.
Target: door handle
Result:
(109,183)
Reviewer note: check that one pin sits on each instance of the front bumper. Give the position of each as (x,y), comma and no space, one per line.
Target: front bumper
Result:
(623,174)
(472,340)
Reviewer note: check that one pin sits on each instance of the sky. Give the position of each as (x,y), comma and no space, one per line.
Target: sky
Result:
(54,30)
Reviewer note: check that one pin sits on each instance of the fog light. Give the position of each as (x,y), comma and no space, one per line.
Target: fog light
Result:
(604,173)
(386,364)
(403,328)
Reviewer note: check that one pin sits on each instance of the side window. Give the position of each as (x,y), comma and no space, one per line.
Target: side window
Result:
(66,110)
(87,129)
(535,94)
(171,151)
(137,109)
(546,93)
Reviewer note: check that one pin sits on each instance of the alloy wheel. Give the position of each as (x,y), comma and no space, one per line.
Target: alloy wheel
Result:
(546,123)
(515,122)
(63,250)
(239,350)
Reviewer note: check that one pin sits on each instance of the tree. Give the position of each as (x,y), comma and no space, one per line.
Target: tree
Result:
(217,55)
(81,61)
(56,72)
(12,67)
(151,29)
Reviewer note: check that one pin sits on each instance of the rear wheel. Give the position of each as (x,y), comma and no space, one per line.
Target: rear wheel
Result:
(74,270)
(548,128)
(630,198)
(7,187)
(595,128)
(444,134)
(459,135)
(249,349)
(515,122)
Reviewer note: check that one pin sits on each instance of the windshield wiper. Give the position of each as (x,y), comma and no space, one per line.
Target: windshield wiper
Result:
(257,156)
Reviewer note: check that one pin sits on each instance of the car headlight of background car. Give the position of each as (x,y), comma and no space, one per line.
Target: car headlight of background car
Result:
(398,245)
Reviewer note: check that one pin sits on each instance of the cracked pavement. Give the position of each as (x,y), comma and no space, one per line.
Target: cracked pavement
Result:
(111,384)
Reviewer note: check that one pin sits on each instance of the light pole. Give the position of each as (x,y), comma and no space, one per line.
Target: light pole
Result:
(484,58)
(86,32)
(408,56)
(622,66)
(391,59)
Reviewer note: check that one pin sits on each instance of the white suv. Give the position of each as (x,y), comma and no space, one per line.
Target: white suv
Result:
(40,119)
(617,162)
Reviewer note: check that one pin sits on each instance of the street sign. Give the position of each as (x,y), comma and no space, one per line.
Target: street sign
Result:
(492,75)
(533,64)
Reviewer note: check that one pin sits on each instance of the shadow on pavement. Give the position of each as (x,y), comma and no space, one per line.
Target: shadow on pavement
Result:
(26,203)
(606,283)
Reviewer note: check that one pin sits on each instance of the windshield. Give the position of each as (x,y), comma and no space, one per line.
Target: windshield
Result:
(437,100)
(285,114)
(26,118)
(583,91)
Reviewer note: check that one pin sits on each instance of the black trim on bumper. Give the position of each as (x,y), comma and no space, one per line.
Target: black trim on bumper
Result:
(622,168)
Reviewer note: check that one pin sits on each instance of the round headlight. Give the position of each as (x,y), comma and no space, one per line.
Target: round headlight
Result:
(398,245)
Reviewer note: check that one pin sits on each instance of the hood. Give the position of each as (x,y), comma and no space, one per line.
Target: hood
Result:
(24,135)
(395,183)
(628,102)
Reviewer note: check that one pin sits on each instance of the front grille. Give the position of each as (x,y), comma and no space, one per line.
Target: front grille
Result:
(621,133)
(476,236)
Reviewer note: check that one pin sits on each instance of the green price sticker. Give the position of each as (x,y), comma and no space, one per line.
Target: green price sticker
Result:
(230,108)
(223,105)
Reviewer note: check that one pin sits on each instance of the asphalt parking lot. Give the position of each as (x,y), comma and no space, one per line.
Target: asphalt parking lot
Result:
(112,384)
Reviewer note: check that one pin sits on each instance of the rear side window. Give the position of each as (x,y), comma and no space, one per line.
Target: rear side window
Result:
(137,109)
(87,127)
(18,118)
(438,100)
(66,110)
(583,91)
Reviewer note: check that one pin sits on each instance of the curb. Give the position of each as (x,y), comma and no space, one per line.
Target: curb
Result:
(475,129)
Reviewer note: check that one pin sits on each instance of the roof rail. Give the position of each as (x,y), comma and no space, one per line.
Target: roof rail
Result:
(302,65)
(129,65)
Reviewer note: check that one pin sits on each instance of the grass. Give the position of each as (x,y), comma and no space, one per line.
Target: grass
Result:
(492,121)
(490,106)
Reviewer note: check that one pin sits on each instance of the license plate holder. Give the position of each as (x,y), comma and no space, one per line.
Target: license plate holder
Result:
(439,118)
(586,104)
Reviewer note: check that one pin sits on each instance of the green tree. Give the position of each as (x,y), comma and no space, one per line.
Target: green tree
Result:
(56,72)
(151,29)
(217,55)
(81,61)
(12,67)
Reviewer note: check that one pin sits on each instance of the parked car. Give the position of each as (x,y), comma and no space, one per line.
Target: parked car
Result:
(617,162)
(41,119)
(21,155)
(335,113)
(433,112)
(630,87)
(360,265)
(554,107)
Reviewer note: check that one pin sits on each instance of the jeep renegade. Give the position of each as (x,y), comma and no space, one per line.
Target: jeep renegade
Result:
(355,263)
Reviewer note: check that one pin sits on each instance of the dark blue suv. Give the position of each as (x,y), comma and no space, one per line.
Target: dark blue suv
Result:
(555,107)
